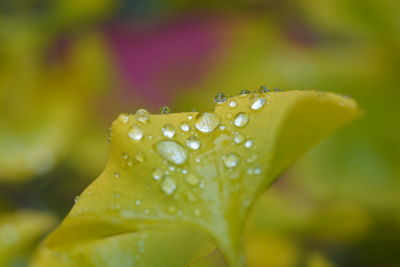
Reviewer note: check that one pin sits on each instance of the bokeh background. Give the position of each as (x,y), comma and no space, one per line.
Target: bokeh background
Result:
(68,67)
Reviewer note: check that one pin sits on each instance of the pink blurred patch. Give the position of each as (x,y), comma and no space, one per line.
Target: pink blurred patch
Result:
(156,64)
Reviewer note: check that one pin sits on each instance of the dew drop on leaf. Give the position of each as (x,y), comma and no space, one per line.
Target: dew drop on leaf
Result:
(185,127)
(124,118)
(157,174)
(192,179)
(264,89)
(142,115)
(168,130)
(172,151)
(168,186)
(241,119)
(232,103)
(135,132)
(257,101)
(207,122)
(220,98)
(248,143)
(140,157)
(239,138)
(193,142)
(231,160)
(165,110)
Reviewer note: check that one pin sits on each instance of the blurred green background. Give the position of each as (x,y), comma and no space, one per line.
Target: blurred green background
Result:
(68,67)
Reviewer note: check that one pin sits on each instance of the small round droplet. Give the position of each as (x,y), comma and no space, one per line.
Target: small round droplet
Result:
(135,132)
(231,160)
(229,115)
(222,127)
(117,174)
(192,179)
(76,199)
(124,118)
(142,115)
(165,110)
(244,92)
(232,103)
(257,101)
(241,119)
(277,89)
(248,143)
(264,89)
(140,157)
(239,138)
(172,151)
(190,117)
(220,98)
(193,142)
(168,130)
(157,174)
(138,202)
(207,122)
(168,185)
(257,170)
(185,127)
(171,168)
(197,212)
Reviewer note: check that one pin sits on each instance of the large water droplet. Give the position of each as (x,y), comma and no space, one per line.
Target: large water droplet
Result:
(220,98)
(232,103)
(172,151)
(158,174)
(165,110)
(142,115)
(185,127)
(124,118)
(241,119)
(207,122)
(231,160)
(168,185)
(168,130)
(193,142)
(192,179)
(135,132)
(257,101)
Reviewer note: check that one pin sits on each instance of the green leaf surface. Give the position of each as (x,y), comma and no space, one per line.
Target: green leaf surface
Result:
(182,184)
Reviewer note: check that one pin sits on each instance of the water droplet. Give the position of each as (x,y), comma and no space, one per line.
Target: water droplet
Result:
(117,174)
(207,122)
(190,117)
(171,168)
(135,132)
(257,101)
(184,171)
(264,89)
(231,160)
(168,130)
(222,127)
(142,115)
(146,211)
(193,142)
(185,126)
(172,151)
(191,197)
(232,103)
(138,202)
(168,185)
(220,98)
(244,92)
(192,179)
(277,89)
(157,174)
(140,157)
(124,118)
(239,138)
(248,143)
(165,110)
(76,199)
(241,119)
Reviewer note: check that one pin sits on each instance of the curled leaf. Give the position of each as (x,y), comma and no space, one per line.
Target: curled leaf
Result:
(186,181)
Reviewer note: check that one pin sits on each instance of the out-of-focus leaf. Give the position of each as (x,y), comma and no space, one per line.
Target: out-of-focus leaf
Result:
(19,232)
(153,181)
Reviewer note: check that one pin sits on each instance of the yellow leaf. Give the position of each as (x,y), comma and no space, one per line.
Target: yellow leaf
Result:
(186,181)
